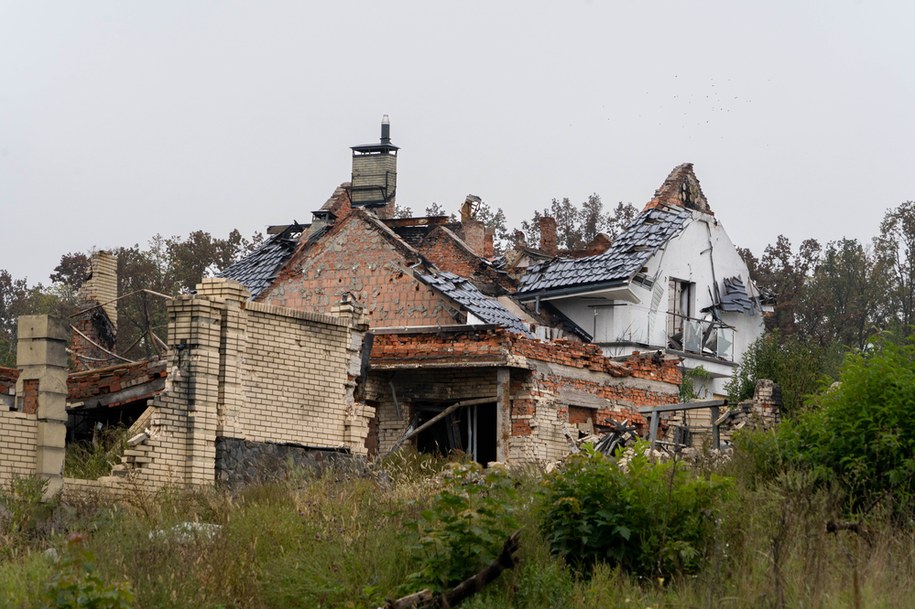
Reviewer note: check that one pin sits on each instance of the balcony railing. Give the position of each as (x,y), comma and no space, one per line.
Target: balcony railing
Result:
(700,336)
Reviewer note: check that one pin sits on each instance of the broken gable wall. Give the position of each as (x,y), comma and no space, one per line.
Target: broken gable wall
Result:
(543,390)
(358,257)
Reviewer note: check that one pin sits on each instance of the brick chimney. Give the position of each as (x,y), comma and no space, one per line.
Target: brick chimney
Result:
(474,235)
(548,240)
(97,325)
(489,245)
(102,284)
(374,180)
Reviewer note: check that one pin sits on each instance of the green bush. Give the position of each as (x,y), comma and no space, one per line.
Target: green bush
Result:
(652,520)
(861,432)
(465,528)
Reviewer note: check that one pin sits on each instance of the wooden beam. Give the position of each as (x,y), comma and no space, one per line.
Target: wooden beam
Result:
(438,418)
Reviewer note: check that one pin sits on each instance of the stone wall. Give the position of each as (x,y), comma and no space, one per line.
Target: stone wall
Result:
(241,463)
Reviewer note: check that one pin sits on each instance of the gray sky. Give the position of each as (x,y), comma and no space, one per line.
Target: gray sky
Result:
(119,120)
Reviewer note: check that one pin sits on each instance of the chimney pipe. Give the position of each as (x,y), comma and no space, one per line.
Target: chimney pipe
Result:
(385,129)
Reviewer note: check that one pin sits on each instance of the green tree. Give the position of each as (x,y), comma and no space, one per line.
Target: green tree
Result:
(798,364)
(576,226)
(895,260)
(840,302)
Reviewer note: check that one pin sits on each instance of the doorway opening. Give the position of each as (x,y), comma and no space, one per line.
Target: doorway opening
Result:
(471,430)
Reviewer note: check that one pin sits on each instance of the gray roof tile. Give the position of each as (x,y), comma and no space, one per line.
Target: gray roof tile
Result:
(484,307)
(258,269)
(628,253)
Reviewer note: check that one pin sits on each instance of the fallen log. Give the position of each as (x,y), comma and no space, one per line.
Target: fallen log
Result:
(424,599)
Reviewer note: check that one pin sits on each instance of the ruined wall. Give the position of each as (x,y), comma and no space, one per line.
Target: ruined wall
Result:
(358,258)
(396,392)
(548,392)
(252,372)
(446,251)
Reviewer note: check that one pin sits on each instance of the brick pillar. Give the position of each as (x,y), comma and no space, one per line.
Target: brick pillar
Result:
(231,296)
(41,356)
(767,403)
(489,246)
(194,338)
(102,284)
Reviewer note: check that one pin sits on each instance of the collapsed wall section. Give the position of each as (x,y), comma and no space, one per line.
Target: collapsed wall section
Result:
(548,393)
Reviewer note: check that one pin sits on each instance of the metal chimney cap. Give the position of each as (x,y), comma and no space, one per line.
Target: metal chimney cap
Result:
(385,120)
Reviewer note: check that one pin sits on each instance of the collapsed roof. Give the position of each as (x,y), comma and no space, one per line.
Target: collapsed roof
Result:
(617,266)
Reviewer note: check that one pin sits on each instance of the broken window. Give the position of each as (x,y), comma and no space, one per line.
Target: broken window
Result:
(679,310)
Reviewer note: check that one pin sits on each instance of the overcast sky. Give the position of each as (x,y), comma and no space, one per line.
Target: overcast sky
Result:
(120,120)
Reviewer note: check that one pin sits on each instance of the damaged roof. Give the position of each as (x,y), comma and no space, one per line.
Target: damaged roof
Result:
(259,268)
(736,298)
(487,309)
(627,255)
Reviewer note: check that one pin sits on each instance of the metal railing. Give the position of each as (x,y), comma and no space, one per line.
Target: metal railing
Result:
(701,336)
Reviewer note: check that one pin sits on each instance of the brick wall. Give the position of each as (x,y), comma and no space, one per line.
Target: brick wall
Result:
(446,251)
(360,256)
(98,320)
(18,441)
(250,371)
(551,390)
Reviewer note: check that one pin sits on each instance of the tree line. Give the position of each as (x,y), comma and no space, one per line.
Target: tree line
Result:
(836,294)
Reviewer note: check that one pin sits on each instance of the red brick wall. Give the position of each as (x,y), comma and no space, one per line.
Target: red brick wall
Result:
(8,378)
(103,381)
(356,257)
(445,252)
(543,414)
(30,396)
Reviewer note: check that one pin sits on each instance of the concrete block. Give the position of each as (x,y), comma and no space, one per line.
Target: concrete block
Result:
(52,434)
(42,326)
(49,461)
(54,487)
(37,352)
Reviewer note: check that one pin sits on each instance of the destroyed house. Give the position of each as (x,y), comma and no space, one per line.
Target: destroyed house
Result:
(456,362)
(673,280)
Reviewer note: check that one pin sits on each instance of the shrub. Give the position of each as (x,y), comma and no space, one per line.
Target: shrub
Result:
(23,513)
(76,584)
(652,520)
(92,460)
(465,528)
(862,431)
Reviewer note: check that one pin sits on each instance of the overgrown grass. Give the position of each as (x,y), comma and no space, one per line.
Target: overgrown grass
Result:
(343,542)
(92,460)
